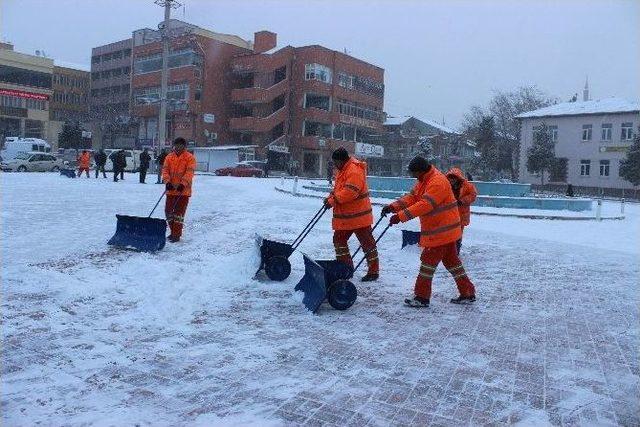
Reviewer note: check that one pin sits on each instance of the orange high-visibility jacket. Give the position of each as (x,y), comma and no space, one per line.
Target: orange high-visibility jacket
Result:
(350,197)
(84,160)
(179,169)
(433,201)
(467,196)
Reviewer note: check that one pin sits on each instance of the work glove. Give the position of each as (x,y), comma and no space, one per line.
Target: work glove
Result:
(386,209)
(169,186)
(180,188)
(395,219)
(327,205)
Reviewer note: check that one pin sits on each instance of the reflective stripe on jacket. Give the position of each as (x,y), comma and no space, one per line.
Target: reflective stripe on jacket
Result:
(179,169)
(350,197)
(433,201)
(467,196)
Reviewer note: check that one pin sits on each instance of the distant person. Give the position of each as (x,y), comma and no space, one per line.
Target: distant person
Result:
(122,163)
(570,190)
(101,160)
(177,174)
(465,193)
(266,169)
(469,177)
(330,172)
(84,162)
(160,161)
(145,160)
(114,163)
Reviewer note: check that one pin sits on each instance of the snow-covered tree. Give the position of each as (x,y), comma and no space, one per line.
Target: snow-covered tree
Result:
(630,166)
(71,136)
(425,147)
(541,154)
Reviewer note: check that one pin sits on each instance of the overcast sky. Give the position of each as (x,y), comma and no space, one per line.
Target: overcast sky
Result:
(440,57)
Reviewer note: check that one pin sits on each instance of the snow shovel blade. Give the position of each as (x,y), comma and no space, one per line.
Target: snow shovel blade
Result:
(139,233)
(69,173)
(312,284)
(410,238)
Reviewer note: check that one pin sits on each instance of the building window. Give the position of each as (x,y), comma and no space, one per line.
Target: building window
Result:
(21,76)
(11,101)
(322,102)
(33,129)
(36,104)
(604,168)
(179,58)
(586,132)
(606,131)
(627,132)
(151,95)
(354,109)
(553,133)
(317,72)
(317,129)
(345,80)
(585,167)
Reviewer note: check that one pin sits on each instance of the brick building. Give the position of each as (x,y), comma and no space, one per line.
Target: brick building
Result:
(70,100)
(199,83)
(298,104)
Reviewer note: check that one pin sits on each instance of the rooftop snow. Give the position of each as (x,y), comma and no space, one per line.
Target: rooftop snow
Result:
(600,106)
(394,121)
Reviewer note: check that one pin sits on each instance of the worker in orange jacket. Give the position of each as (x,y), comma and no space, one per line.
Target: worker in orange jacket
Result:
(84,162)
(177,174)
(352,211)
(432,200)
(465,193)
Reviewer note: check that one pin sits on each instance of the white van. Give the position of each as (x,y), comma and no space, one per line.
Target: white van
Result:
(14,145)
(132,156)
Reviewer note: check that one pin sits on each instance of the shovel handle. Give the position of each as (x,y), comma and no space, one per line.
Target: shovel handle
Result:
(307,229)
(372,230)
(377,240)
(157,203)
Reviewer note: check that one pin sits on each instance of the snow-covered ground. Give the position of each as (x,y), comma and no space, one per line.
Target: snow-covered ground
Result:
(92,335)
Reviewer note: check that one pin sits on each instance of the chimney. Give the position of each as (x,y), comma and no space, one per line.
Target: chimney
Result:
(264,41)
(585,92)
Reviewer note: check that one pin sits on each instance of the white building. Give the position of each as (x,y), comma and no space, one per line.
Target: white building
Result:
(591,137)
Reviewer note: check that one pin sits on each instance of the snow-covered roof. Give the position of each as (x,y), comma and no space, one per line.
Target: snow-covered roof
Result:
(224,147)
(600,106)
(395,121)
(65,64)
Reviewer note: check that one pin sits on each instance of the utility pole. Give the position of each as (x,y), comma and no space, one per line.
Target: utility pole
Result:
(164,34)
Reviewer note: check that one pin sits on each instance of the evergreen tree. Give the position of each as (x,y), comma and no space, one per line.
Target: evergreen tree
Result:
(485,139)
(426,147)
(541,154)
(70,136)
(630,166)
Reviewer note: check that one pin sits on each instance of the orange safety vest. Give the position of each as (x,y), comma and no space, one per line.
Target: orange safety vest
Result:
(84,160)
(350,197)
(467,196)
(179,169)
(433,201)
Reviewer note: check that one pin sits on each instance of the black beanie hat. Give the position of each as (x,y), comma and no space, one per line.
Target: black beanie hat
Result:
(340,154)
(419,164)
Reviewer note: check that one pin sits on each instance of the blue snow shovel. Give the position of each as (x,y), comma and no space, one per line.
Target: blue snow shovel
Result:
(328,280)
(144,234)
(410,238)
(274,255)
(69,173)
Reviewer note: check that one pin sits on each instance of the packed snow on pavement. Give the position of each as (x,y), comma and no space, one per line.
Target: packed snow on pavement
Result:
(94,335)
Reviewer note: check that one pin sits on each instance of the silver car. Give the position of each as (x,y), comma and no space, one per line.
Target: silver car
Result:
(32,162)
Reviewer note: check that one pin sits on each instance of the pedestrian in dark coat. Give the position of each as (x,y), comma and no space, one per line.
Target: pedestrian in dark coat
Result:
(122,163)
(160,160)
(101,160)
(145,159)
(116,164)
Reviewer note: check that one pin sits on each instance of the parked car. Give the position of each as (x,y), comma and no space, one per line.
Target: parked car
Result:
(32,162)
(240,169)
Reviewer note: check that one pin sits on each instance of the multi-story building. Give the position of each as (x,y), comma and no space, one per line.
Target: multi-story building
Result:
(298,104)
(110,96)
(70,100)
(591,138)
(25,91)
(407,136)
(199,83)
